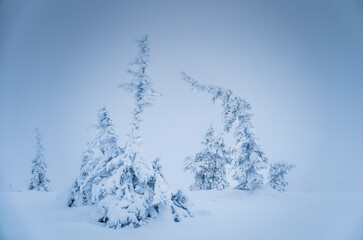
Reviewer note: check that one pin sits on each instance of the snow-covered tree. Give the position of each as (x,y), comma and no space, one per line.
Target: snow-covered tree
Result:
(135,189)
(250,158)
(127,201)
(277,175)
(39,180)
(209,165)
(130,202)
(162,192)
(100,151)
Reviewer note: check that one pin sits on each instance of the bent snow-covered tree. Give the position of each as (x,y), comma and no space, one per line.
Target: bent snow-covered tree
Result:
(250,158)
(135,189)
(39,180)
(277,175)
(100,151)
(209,166)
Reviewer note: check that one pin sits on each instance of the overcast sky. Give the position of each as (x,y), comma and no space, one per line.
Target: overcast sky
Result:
(299,64)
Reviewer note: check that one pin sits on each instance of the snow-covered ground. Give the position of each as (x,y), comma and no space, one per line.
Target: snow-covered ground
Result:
(228,214)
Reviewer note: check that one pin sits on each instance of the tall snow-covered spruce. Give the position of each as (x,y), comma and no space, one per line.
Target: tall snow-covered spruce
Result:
(39,180)
(277,175)
(209,165)
(101,151)
(135,189)
(249,158)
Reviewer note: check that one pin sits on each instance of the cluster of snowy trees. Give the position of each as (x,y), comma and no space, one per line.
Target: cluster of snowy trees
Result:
(129,189)
(246,158)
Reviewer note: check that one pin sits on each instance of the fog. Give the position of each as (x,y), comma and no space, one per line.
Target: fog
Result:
(299,64)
